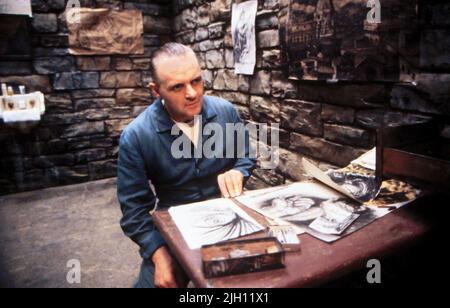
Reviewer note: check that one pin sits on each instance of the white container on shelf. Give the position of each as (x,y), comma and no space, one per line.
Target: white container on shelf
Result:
(22,108)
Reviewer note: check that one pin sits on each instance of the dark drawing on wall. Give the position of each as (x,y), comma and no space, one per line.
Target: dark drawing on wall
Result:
(335,39)
(14,38)
(104,31)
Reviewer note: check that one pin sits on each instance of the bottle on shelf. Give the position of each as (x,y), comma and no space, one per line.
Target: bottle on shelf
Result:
(10,91)
(4,89)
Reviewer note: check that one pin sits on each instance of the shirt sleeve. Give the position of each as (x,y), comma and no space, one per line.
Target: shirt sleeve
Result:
(245,164)
(136,198)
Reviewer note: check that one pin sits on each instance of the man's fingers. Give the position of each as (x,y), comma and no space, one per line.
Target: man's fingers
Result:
(168,281)
(230,184)
(173,283)
(237,181)
(165,268)
(223,186)
(168,284)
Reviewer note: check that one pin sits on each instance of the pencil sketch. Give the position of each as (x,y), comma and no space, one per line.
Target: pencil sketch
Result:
(391,193)
(320,211)
(243,36)
(362,187)
(350,181)
(211,222)
(104,31)
(337,216)
(222,223)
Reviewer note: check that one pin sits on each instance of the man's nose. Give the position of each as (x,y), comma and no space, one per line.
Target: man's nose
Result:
(190,92)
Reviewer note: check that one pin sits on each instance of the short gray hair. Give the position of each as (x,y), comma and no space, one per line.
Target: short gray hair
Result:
(168,49)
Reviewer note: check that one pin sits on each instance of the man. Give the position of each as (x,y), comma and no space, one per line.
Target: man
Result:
(146,154)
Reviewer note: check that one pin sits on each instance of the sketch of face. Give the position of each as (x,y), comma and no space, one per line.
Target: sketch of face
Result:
(342,204)
(360,186)
(298,208)
(222,224)
(218,218)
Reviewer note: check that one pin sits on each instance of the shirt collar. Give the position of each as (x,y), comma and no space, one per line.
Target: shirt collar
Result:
(164,123)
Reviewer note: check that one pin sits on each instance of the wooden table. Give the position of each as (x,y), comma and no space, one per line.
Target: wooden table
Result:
(317,262)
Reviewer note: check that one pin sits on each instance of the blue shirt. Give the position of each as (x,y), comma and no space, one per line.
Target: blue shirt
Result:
(145,155)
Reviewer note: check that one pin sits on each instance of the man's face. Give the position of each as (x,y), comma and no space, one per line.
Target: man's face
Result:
(180,84)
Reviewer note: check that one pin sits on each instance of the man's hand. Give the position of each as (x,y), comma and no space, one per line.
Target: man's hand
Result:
(230,183)
(168,274)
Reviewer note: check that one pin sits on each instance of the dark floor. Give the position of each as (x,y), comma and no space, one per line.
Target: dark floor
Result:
(41,231)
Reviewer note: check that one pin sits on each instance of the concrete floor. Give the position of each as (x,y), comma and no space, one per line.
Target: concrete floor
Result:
(41,231)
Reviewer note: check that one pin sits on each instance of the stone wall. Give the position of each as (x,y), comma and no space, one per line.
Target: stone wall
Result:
(89,100)
(330,123)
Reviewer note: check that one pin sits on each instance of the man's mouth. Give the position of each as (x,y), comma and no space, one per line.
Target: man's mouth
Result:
(192,105)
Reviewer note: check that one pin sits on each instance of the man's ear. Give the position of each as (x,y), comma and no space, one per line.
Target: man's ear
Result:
(154,88)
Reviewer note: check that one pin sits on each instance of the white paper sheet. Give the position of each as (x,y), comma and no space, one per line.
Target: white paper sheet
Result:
(243,35)
(212,221)
(15,7)
(301,204)
(315,172)
(367,160)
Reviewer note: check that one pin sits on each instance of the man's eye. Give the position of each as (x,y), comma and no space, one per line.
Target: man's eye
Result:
(196,81)
(177,87)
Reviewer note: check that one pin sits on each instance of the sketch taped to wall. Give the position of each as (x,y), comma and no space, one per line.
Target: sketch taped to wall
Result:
(104,32)
(15,7)
(243,35)
(340,40)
